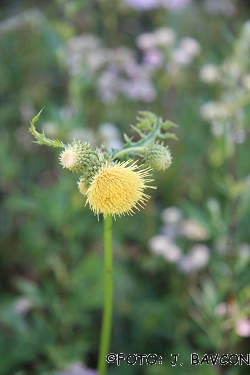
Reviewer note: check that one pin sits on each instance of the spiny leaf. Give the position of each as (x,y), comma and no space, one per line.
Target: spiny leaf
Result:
(40,137)
(127,139)
(137,130)
(168,124)
(169,135)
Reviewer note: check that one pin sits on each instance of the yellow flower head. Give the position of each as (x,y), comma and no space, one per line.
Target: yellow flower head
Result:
(118,189)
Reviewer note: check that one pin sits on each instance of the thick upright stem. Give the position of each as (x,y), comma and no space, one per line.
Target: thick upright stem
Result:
(108,297)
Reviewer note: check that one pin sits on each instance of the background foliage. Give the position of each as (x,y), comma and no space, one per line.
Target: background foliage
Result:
(181,275)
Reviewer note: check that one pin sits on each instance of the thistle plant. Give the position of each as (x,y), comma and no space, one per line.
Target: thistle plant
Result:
(114,184)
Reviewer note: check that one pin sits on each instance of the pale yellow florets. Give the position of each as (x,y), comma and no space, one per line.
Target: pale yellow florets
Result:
(68,158)
(78,156)
(118,189)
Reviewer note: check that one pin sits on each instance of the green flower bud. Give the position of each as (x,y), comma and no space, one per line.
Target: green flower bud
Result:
(157,157)
(83,185)
(78,156)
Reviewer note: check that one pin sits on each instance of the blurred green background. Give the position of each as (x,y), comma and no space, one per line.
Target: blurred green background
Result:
(181,275)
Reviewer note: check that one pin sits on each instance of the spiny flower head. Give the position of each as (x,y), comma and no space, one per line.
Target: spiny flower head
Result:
(78,156)
(115,188)
(157,157)
(118,189)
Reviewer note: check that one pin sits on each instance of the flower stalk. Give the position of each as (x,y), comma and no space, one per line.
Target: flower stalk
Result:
(108,296)
(130,150)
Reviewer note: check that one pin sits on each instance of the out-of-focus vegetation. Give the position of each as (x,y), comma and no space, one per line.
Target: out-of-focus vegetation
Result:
(182,281)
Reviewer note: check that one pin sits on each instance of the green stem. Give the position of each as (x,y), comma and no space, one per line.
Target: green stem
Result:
(129,150)
(108,297)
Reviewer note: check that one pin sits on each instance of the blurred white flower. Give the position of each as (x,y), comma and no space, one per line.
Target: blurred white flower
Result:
(108,130)
(158,243)
(123,75)
(246,81)
(146,41)
(246,31)
(200,255)
(106,95)
(193,230)
(187,49)
(185,264)
(110,135)
(120,57)
(136,71)
(171,230)
(153,58)
(220,309)
(171,215)
(95,60)
(209,73)
(239,136)
(244,251)
(107,85)
(161,245)
(231,69)
(196,259)
(217,128)
(22,305)
(139,89)
(190,46)
(211,111)
(84,52)
(230,308)
(173,253)
(242,327)
(164,37)
(180,56)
